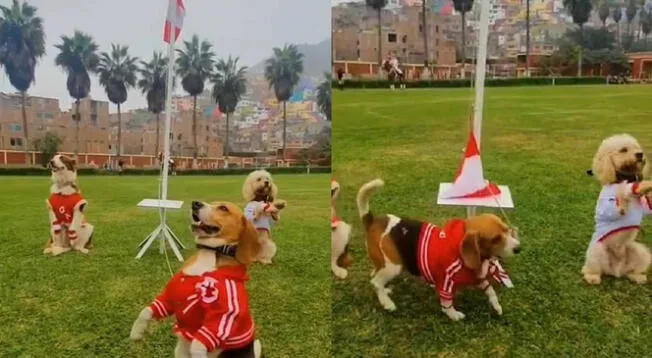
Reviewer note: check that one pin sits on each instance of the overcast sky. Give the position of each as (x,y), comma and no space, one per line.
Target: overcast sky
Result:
(249,29)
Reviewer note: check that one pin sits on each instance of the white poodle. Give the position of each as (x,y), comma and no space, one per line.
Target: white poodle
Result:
(262,210)
(620,166)
(340,232)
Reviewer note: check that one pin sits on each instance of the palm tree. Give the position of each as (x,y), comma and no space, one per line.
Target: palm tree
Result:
(22,43)
(603,12)
(630,13)
(463,6)
(153,84)
(646,22)
(580,10)
(425,32)
(377,5)
(324,96)
(77,56)
(617,16)
(229,85)
(117,72)
(194,66)
(283,71)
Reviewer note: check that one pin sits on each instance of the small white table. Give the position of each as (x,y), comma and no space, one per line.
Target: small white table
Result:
(504,200)
(162,231)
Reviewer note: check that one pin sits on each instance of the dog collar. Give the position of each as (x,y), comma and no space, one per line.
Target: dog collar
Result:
(226,250)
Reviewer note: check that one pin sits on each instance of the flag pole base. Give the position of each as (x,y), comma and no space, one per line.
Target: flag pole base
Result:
(163,234)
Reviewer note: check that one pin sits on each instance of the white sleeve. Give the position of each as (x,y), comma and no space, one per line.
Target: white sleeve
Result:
(250,210)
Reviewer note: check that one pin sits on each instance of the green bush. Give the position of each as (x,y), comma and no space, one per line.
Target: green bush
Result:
(229,171)
(493,82)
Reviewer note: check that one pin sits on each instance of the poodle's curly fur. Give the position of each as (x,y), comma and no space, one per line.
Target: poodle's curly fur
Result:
(620,158)
(254,187)
(611,157)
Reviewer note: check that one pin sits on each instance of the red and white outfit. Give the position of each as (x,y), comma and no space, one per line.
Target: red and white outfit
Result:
(263,222)
(63,207)
(608,219)
(440,262)
(212,308)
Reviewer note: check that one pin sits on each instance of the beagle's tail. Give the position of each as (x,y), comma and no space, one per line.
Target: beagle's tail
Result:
(364,194)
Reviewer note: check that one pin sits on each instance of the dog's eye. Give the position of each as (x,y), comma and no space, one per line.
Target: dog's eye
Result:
(623,150)
(259,179)
(223,208)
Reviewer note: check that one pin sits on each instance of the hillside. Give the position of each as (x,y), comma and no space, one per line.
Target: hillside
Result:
(316,59)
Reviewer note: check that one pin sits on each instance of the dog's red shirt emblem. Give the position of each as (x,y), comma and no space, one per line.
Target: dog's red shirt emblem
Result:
(440,262)
(63,207)
(212,308)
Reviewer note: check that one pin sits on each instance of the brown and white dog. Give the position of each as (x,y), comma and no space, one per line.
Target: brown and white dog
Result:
(462,253)
(263,210)
(68,226)
(340,232)
(620,165)
(208,296)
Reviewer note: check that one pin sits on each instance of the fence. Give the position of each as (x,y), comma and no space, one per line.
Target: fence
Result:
(98,160)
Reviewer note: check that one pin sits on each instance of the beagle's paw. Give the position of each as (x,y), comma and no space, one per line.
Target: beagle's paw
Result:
(453,314)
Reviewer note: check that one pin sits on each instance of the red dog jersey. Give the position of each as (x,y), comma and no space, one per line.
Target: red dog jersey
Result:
(440,262)
(63,207)
(212,308)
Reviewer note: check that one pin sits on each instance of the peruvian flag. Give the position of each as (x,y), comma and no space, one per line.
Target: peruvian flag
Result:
(469,180)
(176,13)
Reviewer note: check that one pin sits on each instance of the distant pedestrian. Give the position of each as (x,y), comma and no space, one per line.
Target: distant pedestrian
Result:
(121,166)
(340,78)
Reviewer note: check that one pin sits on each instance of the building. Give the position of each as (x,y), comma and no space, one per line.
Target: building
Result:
(44,115)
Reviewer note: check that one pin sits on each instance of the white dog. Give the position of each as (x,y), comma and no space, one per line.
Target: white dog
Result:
(68,227)
(340,232)
(262,210)
(620,165)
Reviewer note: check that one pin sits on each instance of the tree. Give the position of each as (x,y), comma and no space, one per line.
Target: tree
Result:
(527,37)
(77,57)
(617,16)
(630,13)
(580,10)
(377,5)
(283,71)
(463,6)
(646,22)
(324,96)
(117,71)
(194,66)
(229,85)
(603,12)
(153,84)
(48,146)
(22,43)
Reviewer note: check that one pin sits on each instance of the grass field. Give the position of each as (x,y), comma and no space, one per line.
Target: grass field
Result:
(537,140)
(83,306)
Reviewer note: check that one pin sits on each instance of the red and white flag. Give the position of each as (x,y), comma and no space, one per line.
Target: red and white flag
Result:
(469,180)
(174,19)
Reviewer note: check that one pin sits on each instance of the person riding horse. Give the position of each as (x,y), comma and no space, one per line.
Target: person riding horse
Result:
(394,72)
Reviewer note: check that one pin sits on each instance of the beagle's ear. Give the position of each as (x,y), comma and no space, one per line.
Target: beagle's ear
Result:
(470,250)
(248,244)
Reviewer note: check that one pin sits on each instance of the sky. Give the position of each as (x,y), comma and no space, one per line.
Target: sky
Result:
(248,29)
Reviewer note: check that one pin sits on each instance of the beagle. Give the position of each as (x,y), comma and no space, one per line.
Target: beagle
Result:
(461,253)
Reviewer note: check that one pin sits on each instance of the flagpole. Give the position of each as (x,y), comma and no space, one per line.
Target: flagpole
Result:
(480,69)
(168,112)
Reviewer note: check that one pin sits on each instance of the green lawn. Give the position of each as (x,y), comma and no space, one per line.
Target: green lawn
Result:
(537,140)
(83,306)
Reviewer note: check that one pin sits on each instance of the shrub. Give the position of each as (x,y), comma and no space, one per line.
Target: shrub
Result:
(492,82)
(229,171)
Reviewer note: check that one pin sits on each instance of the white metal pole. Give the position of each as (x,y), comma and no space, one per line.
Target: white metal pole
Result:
(481,68)
(168,111)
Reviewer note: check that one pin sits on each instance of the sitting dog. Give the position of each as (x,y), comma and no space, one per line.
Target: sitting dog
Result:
(340,231)
(262,210)
(620,166)
(68,227)
(462,253)
(208,296)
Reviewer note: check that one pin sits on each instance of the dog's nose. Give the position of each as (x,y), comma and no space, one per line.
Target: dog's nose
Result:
(639,156)
(196,205)
(517,249)
(266,182)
